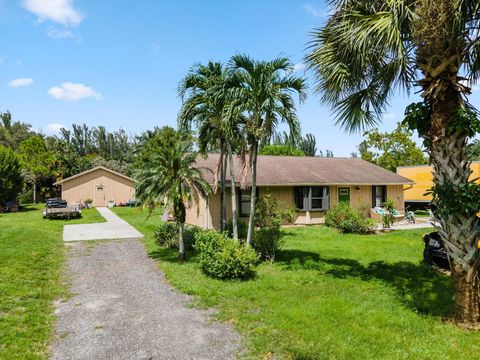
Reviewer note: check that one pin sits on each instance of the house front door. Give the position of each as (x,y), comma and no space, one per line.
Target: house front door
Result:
(99,195)
(344,195)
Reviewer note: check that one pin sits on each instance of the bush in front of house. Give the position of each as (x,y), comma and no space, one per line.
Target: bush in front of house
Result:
(288,215)
(267,241)
(223,258)
(267,238)
(348,220)
(166,235)
(242,228)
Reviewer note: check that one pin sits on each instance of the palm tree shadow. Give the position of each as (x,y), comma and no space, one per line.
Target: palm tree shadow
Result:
(417,285)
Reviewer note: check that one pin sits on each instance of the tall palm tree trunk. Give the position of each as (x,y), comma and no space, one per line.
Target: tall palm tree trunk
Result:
(181,221)
(253,196)
(223,189)
(181,243)
(233,194)
(458,230)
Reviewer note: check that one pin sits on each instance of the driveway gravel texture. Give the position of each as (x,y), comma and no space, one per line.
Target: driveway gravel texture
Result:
(123,308)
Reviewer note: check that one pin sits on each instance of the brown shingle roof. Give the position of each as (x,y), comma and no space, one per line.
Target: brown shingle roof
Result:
(293,170)
(92,170)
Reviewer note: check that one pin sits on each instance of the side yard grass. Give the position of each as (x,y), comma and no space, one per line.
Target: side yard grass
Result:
(31,258)
(330,295)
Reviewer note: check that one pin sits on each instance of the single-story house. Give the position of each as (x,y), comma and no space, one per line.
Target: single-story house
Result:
(100,185)
(310,184)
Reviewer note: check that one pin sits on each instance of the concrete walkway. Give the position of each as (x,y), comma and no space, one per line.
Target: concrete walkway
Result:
(113,228)
(123,308)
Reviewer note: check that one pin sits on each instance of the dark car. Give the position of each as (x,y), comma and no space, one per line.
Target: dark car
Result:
(434,252)
(56,203)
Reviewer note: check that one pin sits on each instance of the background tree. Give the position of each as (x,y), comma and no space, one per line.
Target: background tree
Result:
(474,150)
(308,144)
(12,133)
(170,177)
(391,149)
(11,180)
(264,94)
(369,49)
(36,159)
(284,150)
(327,153)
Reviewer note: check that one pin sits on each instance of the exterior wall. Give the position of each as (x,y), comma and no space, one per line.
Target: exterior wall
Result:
(360,198)
(423,178)
(81,188)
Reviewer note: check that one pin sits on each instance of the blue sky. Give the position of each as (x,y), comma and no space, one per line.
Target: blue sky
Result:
(118,63)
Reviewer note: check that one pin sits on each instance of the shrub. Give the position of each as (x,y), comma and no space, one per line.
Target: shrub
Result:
(222,258)
(387,217)
(348,220)
(242,228)
(267,213)
(288,215)
(267,241)
(166,235)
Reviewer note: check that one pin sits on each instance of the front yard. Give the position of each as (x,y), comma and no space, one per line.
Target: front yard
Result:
(329,295)
(31,258)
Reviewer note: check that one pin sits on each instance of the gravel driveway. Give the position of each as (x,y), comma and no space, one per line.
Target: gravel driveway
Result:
(123,308)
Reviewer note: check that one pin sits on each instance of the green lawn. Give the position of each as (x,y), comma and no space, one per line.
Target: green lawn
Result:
(331,296)
(31,257)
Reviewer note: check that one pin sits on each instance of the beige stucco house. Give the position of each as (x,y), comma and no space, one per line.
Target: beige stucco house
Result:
(310,184)
(100,185)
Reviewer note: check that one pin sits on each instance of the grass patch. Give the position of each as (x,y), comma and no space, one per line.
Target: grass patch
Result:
(31,258)
(331,295)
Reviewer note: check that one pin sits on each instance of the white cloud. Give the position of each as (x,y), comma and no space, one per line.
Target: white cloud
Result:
(60,34)
(314,11)
(299,67)
(59,11)
(73,92)
(20,82)
(53,129)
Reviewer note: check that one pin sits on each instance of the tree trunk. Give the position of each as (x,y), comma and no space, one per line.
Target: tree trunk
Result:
(224,193)
(181,245)
(34,190)
(467,299)
(253,196)
(233,195)
(458,231)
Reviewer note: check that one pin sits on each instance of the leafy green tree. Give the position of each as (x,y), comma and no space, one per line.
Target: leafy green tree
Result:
(151,142)
(474,150)
(284,150)
(365,52)
(170,177)
(264,95)
(11,181)
(12,133)
(36,159)
(391,150)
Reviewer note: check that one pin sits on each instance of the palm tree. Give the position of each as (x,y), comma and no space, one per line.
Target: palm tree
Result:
(308,145)
(170,177)
(206,88)
(366,52)
(264,94)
